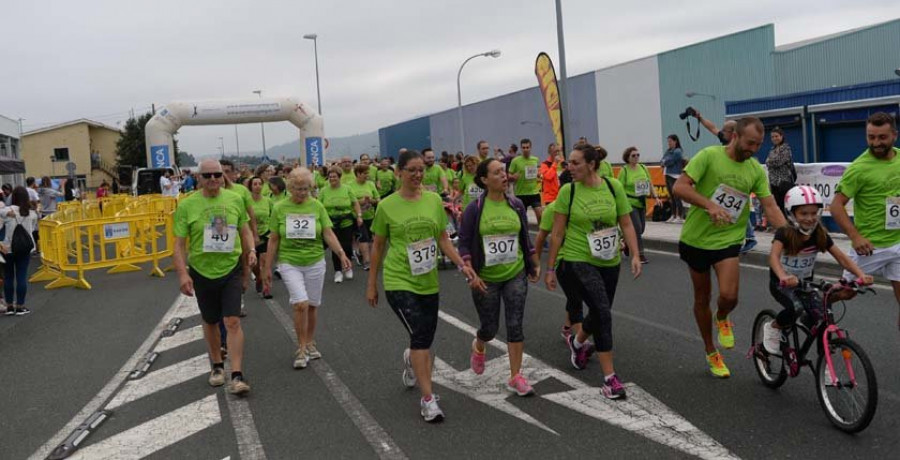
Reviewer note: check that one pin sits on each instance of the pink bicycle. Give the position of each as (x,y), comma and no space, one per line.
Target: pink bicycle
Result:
(845,378)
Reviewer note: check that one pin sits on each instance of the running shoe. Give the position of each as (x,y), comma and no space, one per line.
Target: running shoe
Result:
(644,260)
(565,332)
(671,220)
(519,386)
(238,386)
(365,267)
(267,294)
(217,377)
(348,274)
(748,245)
(476,360)
(276,273)
(243,312)
(22,311)
(300,359)
(431,412)
(580,356)
(338,277)
(312,352)
(717,365)
(409,377)
(612,388)
(259,285)
(224,352)
(10,310)
(726,333)
(771,338)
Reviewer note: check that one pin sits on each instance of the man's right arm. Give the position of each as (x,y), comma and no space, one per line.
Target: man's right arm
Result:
(861,245)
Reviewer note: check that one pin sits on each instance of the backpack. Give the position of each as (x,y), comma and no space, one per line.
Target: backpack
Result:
(21,241)
(572,197)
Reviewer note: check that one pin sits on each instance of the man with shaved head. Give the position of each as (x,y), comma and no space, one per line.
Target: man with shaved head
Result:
(215,222)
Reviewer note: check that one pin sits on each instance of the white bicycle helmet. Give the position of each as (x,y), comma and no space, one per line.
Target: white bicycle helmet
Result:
(802,195)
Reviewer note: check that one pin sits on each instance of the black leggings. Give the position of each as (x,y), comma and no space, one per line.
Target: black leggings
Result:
(345,237)
(512,292)
(419,314)
(792,305)
(677,205)
(595,286)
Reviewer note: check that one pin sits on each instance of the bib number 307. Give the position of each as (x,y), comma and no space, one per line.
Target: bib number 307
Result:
(500,249)
(731,200)
(604,244)
(422,256)
(892,213)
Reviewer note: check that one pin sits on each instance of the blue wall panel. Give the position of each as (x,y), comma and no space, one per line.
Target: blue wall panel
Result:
(823,96)
(413,134)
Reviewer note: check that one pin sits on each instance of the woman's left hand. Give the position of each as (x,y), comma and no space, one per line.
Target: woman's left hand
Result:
(345,263)
(636,266)
(536,276)
(474,281)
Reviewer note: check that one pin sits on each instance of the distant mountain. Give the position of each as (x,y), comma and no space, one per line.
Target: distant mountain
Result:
(351,146)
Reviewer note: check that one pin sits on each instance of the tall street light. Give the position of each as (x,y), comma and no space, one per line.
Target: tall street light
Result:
(262,126)
(313,37)
(462,130)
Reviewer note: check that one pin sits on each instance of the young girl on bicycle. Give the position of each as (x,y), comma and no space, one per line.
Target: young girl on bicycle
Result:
(793,258)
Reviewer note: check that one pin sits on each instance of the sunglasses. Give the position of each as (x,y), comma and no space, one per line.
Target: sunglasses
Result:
(210,175)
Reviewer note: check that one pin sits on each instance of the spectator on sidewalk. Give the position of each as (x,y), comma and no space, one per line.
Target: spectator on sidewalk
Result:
(780,165)
(549,173)
(16,249)
(673,162)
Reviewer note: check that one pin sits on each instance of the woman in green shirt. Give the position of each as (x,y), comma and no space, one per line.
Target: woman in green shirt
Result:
(344,211)
(590,212)
(299,225)
(367,195)
(413,221)
(262,209)
(468,188)
(635,178)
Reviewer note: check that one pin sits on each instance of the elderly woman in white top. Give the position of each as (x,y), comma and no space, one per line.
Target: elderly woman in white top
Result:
(17,255)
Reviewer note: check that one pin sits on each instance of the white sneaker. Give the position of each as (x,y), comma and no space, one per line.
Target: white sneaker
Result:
(338,277)
(431,412)
(409,377)
(348,274)
(300,359)
(771,338)
(671,220)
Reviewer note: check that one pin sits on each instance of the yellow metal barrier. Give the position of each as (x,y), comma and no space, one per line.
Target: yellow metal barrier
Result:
(71,243)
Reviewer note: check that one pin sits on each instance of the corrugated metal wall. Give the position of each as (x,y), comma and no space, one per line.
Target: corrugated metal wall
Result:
(412,134)
(862,56)
(737,66)
(824,96)
(507,119)
(628,107)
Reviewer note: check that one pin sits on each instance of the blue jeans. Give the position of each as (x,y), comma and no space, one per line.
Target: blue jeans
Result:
(15,277)
(751,233)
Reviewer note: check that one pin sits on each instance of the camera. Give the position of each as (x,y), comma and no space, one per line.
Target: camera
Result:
(688,112)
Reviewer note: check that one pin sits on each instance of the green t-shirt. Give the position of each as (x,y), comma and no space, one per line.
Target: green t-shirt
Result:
(301,252)
(373,170)
(432,179)
(384,180)
(870,182)
(630,178)
(403,222)
(595,209)
(348,177)
(499,218)
(266,191)
(366,189)
(262,209)
(339,203)
(320,180)
(469,189)
(280,197)
(244,193)
(211,222)
(710,169)
(605,169)
(526,168)
(547,217)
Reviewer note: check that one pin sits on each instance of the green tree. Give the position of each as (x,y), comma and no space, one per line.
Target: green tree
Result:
(186,159)
(131,148)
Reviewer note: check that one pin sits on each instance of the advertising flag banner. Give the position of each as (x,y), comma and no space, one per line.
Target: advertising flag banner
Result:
(546,76)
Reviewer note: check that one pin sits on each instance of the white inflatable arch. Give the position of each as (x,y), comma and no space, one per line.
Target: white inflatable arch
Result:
(167,121)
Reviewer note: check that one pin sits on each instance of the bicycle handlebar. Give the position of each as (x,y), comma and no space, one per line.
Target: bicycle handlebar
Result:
(822,285)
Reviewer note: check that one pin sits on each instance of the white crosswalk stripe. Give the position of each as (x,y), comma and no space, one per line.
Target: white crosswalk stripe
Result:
(160,380)
(180,338)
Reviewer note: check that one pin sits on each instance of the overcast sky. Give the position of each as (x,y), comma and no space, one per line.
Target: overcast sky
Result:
(381,62)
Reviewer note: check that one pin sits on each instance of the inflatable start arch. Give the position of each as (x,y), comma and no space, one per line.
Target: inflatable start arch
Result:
(166,122)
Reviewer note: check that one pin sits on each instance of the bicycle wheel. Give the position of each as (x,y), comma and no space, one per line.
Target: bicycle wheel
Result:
(850,405)
(769,367)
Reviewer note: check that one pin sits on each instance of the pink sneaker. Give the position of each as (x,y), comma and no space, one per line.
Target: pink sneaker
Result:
(477,361)
(519,386)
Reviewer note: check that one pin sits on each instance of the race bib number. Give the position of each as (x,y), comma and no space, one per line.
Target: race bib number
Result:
(300,226)
(604,243)
(422,256)
(531,172)
(474,192)
(642,187)
(500,249)
(892,213)
(431,188)
(219,238)
(800,265)
(732,200)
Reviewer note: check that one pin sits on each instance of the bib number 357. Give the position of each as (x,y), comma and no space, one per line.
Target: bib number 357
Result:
(604,244)
(422,256)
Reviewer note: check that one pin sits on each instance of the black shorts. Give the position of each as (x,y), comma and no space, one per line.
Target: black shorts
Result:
(419,314)
(534,201)
(364,231)
(220,297)
(263,243)
(700,260)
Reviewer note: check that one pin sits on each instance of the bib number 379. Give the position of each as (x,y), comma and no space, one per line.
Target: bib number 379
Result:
(422,256)
(892,213)
(731,200)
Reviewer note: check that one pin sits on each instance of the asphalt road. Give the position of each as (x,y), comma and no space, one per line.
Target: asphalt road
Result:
(73,355)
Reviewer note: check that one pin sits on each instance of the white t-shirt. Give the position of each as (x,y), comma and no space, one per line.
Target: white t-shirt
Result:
(166,185)
(30,222)
(32,195)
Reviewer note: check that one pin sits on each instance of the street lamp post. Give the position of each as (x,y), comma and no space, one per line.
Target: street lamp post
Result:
(262,126)
(237,144)
(222,145)
(462,130)
(314,37)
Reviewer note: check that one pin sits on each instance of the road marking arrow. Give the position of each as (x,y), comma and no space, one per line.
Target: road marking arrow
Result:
(641,413)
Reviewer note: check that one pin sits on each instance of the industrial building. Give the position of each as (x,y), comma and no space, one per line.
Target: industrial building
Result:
(87,146)
(819,90)
(12,168)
